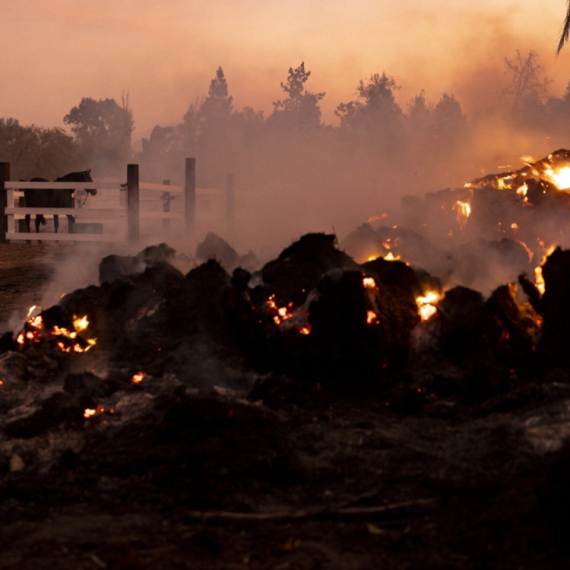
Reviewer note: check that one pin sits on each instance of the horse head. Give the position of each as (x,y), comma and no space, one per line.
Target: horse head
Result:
(82,176)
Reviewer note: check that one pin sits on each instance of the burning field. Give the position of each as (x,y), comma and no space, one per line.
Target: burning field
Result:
(379,403)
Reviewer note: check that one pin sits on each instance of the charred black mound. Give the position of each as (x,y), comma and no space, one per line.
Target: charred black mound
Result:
(305,416)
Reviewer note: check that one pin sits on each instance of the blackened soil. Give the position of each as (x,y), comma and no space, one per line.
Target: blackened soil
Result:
(293,477)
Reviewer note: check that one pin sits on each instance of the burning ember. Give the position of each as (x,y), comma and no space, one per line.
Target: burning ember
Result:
(552,170)
(372,318)
(463,211)
(280,314)
(92,412)
(538,278)
(369,283)
(138,377)
(288,316)
(426,305)
(66,339)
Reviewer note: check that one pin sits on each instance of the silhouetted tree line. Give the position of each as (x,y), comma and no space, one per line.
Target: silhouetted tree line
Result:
(374,133)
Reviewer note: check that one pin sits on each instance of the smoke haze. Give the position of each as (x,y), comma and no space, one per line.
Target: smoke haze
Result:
(331,175)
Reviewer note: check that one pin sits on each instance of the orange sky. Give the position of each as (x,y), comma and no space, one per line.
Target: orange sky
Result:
(165,52)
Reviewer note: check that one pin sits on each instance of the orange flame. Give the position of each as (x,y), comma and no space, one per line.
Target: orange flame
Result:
(426,305)
(369,283)
(372,318)
(138,377)
(36,333)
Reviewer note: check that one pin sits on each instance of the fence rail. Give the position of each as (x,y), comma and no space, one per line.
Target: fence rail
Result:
(117,210)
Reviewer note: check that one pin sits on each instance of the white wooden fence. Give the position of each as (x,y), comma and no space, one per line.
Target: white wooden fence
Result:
(115,213)
(111,212)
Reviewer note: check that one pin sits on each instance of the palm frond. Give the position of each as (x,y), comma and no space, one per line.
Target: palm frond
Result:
(565,30)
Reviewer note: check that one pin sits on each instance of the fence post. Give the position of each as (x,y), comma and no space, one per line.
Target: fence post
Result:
(166,208)
(4,177)
(230,201)
(133,203)
(190,197)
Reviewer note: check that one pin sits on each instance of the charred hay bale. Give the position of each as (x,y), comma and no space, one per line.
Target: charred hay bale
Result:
(246,320)
(299,267)
(553,346)
(491,208)
(460,313)
(119,267)
(111,306)
(214,247)
(521,324)
(472,348)
(394,273)
(358,330)
(363,244)
(187,334)
(436,216)
(500,329)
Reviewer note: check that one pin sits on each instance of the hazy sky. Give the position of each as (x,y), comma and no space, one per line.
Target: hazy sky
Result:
(165,52)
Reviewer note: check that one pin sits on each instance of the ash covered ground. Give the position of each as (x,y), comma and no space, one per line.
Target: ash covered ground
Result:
(249,444)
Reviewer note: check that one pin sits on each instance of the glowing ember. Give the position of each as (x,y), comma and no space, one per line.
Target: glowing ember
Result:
(31,310)
(391,257)
(376,218)
(80,324)
(522,190)
(426,305)
(90,412)
(538,278)
(35,332)
(529,251)
(371,318)
(280,314)
(138,377)
(463,211)
(288,316)
(559,177)
(369,283)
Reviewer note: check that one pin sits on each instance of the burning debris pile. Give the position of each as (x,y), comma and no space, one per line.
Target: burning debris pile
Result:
(215,395)
(482,234)
(312,315)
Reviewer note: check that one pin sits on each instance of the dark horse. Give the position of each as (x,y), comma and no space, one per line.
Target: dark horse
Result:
(55,199)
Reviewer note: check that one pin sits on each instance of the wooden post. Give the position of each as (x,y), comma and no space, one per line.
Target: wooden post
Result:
(190,197)
(230,202)
(133,203)
(4,177)
(166,208)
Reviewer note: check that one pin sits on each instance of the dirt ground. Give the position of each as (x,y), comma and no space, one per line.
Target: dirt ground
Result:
(295,477)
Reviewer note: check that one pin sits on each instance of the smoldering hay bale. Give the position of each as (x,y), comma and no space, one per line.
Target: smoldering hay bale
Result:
(299,267)
(208,326)
(214,247)
(116,266)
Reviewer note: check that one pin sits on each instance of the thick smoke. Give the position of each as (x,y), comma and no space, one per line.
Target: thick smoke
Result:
(299,170)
